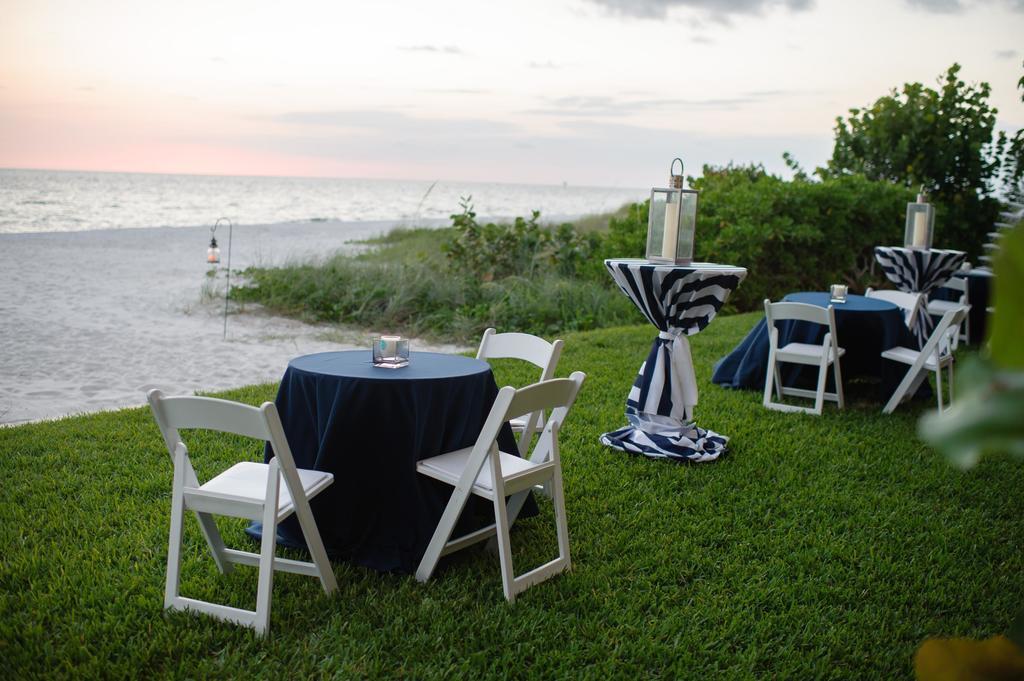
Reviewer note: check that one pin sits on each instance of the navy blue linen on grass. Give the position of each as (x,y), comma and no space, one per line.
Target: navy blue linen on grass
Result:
(369,426)
(864,328)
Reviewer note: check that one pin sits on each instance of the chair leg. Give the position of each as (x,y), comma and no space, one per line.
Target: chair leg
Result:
(938,386)
(840,399)
(264,590)
(819,397)
(504,547)
(442,533)
(315,544)
(770,375)
(561,523)
(171,588)
(949,375)
(901,390)
(778,380)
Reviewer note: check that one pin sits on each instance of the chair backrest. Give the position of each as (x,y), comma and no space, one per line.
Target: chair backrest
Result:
(799,311)
(826,316)
(958,284)
(225,416)
(939,343)
(556,396)
(908,302)
(524,346)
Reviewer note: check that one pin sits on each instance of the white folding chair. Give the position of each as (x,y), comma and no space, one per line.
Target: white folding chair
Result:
(485,471)
(822,356)
(910,303)
(529,348)
(940,307)
(246,490)
(936,355)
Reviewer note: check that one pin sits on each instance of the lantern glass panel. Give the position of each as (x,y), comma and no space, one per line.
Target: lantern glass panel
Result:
(920,225)
(656,236)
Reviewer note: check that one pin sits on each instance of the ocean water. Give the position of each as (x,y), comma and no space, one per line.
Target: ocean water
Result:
(68,201)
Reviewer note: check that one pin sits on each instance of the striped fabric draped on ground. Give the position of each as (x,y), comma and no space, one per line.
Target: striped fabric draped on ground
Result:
(917,270)
(680,301)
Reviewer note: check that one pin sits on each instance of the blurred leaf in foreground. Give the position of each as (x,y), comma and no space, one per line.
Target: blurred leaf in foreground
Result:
(960,659)
(989,412)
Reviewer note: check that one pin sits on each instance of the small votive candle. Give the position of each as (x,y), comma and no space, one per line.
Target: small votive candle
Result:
(390,351)
(838,293)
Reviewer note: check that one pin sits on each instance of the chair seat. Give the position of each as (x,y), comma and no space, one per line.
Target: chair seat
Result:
(448,468)
(805,351)
(518,425)
(941,307)
(248,480)
(909,356)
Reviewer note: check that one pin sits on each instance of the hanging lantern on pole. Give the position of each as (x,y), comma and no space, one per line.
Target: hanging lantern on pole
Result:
(213,252)
(213,258)
(672,221)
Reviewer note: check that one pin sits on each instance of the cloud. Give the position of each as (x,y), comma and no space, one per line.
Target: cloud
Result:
(457,91)
(938,6)
(719,10)
(1005,54)
(435,49)
(959,6)
(543,65)
(396,125)
(607,107)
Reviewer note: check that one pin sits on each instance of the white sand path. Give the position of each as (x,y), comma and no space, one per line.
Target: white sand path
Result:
(91,320)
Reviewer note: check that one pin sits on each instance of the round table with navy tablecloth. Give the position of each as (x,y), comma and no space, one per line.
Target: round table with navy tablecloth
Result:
(864,328)
(369,426)
(679,300)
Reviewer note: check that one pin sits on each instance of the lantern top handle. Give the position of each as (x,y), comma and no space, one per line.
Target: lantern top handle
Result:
(675,181)
(217,224)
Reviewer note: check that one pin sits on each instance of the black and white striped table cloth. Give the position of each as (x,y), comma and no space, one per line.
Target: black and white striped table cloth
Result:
(917,270)
(680,300)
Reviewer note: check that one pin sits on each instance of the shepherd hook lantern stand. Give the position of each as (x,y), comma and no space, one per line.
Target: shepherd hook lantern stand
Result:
(213,257)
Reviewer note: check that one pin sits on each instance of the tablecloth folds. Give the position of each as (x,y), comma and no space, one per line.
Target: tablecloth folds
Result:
(680,301)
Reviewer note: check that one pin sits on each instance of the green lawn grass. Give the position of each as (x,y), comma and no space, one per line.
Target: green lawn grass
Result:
(819,547)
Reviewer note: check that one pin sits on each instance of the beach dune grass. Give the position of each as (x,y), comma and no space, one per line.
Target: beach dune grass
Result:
(819,547)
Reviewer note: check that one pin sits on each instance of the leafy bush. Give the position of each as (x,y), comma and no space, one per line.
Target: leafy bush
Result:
(943,140)
(521,249)
(790,235)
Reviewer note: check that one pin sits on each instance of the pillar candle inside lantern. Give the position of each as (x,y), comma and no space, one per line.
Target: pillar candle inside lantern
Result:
(669,240)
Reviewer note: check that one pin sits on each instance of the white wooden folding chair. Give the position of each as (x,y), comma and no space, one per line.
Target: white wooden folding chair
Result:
(938,308)
(246,490)
(529,348)
(824,355)
(910,303)
(485,471)
(936,355)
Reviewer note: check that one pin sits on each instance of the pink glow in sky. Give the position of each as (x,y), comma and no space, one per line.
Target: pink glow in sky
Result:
(585,91)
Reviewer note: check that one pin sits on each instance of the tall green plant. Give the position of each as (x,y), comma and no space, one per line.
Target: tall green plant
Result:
(943,139)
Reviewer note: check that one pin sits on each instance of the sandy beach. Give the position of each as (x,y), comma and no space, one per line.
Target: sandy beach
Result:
(91,320)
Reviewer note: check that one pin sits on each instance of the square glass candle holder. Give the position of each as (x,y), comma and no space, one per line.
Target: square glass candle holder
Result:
(838,293)
(390,352)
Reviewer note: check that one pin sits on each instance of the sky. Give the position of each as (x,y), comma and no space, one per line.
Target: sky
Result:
(584,92)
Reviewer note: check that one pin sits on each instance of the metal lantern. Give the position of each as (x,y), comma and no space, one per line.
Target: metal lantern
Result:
(213,252)
(213,258)
(920,223)
(672,221)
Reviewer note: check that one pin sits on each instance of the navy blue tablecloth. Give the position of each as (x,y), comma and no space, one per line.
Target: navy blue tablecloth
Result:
(369,426)
(864,327)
